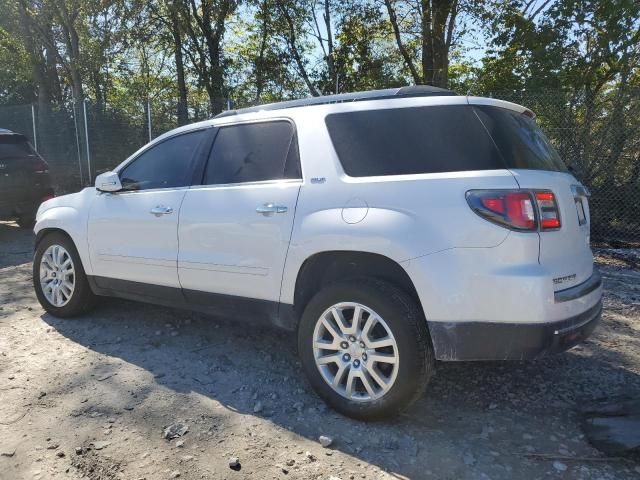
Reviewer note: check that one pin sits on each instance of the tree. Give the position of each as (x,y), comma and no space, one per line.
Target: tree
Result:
(205,24)
(366,56)
(261,67)
(168,18)
(437,23)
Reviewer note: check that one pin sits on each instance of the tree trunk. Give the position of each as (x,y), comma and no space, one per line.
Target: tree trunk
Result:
(427,42)
(53,80)
(182,110)
(260,62)
(216,88)
(439,74)
(293,45)
(393,19)
(333,74)
(437,25)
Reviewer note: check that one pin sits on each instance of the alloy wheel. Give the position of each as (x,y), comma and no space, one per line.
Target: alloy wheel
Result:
(57,275)
(355,351)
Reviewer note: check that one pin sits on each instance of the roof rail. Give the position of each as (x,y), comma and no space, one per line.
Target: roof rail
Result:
(412,91)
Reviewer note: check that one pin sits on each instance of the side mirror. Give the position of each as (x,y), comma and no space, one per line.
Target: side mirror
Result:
(108,182)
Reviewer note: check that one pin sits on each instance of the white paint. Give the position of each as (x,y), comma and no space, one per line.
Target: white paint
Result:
(464,268)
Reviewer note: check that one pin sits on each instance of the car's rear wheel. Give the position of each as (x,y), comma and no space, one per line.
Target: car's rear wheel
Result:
(59,280)
(365,348)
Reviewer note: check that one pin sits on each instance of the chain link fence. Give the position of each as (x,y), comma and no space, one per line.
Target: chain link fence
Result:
(597,136)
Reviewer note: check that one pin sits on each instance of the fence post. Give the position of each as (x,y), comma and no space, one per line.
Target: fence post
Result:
(33,121)
(149,117)
(86,136)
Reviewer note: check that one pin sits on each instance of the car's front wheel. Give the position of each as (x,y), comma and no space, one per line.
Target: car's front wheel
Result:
(59,280)
(365,348)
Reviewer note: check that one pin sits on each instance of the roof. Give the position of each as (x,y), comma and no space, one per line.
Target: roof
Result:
(412,91)
(8,133)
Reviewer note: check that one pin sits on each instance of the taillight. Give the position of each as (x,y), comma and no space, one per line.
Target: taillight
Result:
(549,215)
(516,209)
(40,166)
(48,196)
(509,208)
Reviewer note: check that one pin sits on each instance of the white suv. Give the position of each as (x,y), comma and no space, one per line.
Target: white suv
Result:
(387,229)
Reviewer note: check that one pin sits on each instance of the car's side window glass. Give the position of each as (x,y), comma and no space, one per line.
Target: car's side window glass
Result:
(415,140)
(253,152)
(165,165)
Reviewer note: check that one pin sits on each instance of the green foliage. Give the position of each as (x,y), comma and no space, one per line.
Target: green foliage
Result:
(366,57)
(16,85)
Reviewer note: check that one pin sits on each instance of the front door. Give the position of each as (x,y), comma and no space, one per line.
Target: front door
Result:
(234,229)
(133,234)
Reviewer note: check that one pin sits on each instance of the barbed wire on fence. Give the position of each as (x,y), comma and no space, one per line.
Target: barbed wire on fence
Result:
(596,137)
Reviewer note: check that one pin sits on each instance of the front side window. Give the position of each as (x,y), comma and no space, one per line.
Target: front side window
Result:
(165,165)
(253,152)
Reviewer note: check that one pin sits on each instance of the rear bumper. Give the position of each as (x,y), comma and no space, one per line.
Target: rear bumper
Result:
(497,304)
(9,211)
(465,341)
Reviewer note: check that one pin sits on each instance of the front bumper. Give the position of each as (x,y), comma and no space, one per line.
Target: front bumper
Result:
(465,341)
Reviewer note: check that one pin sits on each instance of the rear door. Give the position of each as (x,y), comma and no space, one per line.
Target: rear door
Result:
(235,228)
(536,165)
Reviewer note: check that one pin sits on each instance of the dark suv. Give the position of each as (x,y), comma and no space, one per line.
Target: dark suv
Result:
(24,179)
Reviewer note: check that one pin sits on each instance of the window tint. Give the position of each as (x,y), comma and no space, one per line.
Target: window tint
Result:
(15,146)
(520,140)
(252,153)
(412,140)
(165,165)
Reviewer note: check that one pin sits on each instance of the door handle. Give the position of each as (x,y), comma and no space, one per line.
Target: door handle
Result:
(268,209)
(159,210)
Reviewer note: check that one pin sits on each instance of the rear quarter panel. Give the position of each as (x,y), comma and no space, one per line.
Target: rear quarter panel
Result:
(401,217)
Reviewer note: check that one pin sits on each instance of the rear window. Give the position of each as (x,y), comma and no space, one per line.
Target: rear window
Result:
(447,138)
(253,152)
(14,146)
(521,142)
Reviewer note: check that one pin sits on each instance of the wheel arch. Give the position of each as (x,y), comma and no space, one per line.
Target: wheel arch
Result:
(48,230)
(69,221)
(326,267)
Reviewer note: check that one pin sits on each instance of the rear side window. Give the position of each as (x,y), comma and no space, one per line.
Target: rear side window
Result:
(520,140)
(253,152)
(15,146)
(165,165)
(412,140)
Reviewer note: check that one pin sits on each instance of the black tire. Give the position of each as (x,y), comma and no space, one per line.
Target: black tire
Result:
(405,319)
(82,299)
(26,221)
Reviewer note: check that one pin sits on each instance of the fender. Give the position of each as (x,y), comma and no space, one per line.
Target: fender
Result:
(69,214)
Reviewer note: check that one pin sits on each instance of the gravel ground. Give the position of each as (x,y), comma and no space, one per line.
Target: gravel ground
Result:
(92,397)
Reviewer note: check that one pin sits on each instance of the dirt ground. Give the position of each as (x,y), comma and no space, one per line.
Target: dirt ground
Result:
(91,397)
